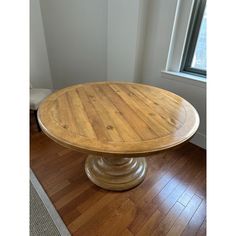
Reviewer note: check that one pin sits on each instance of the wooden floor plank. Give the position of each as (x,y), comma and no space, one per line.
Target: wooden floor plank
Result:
(149,225)
(160,199)
(168,220)
(196,221)
(115,219)
(185,217)
(126,232)
(96,209)
(202,230)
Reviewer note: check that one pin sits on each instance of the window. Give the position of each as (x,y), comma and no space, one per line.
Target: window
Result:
(194,58)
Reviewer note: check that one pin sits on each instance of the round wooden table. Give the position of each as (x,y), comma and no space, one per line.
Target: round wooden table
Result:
(117,124)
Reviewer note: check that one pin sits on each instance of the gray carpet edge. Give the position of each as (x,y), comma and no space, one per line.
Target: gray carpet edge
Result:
(41,223)
(61,227)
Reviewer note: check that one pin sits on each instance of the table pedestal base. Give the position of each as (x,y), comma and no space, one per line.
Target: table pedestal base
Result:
(115,174)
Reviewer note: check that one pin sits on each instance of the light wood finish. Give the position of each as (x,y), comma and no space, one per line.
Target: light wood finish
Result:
(115,173)
(170,200)
(114,121)
(124,119)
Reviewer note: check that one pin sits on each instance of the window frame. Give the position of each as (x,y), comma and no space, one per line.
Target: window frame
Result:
(192,37)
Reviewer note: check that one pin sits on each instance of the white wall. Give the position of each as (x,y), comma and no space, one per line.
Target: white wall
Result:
(159,27)
(76,36)
(122,39)
(91,40)
(160,22)
(40,75)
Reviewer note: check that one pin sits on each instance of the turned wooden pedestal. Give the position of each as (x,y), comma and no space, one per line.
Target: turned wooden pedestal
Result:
(115,173)
(118,125)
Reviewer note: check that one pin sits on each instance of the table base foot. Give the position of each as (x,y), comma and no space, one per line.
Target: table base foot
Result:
(115,174)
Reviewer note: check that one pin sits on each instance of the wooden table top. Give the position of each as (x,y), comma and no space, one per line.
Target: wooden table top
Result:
(117,119)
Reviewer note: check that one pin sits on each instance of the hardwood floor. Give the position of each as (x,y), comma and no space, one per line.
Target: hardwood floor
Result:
(170,201)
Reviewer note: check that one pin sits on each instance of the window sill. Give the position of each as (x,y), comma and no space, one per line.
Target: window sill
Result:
(185,78)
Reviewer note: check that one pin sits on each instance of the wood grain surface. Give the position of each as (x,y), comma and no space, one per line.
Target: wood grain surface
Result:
(117,119)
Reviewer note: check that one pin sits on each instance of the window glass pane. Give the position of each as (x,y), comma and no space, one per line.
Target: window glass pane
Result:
(199,57)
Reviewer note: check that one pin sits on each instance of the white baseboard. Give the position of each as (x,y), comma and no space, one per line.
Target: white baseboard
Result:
(199,139)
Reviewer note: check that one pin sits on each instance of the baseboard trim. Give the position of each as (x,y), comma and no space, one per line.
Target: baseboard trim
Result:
(49,206)
(199,139)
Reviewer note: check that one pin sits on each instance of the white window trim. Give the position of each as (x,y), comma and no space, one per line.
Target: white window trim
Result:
(185,78)
(177,45)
